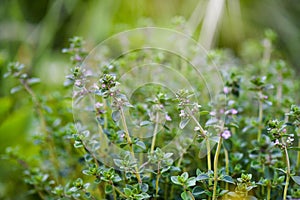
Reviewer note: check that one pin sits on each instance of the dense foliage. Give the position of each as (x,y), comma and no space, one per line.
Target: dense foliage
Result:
(244,144)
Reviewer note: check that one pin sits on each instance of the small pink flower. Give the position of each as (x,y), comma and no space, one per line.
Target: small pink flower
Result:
(284,130)
(226,90)
(168,118)
(212,113)
(276,142)
(161,106)
(234,111)
(182,114)
(98,105)
(226,134)
(266,97)
(103,85)
(77,57)
(78,83)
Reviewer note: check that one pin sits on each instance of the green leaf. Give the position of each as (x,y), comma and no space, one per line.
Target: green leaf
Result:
(117,178)
(165,169)
(32,81)
(202,177)
(168,155)
(86,172)
(145,123)
(127,192)
(78,144)
(186,196)
(198,191)
(116,115)
(108,189)
(183,123)
(296,179)
(141,145)
(211,121)
(118,162)
(191,182)
(228,179)
(16,89)
(204,112)
(175,180)
(144,187)
(234,125)
(223,192)
(295,148)
(185,176)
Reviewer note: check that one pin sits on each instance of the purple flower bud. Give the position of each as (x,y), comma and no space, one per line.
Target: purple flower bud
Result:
(77,58)
(226,134)
(168,118)
(103,85)
(226,90)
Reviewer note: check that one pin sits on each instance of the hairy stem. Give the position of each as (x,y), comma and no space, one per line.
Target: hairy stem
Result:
(216,159)
(127,136)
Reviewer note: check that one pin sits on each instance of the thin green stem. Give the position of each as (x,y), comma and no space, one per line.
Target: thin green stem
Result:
(191,195)
(216,159)
(226,165)
(288,172)
(203,134)
(157,180)
(114,192)
(298,156)
(208,154)
(42,119)
(154,133)
(260,116)
(269,192)
(202,131)
(127,136)
(119,191)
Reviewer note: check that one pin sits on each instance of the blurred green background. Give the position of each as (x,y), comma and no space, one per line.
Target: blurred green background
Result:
(34,32)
